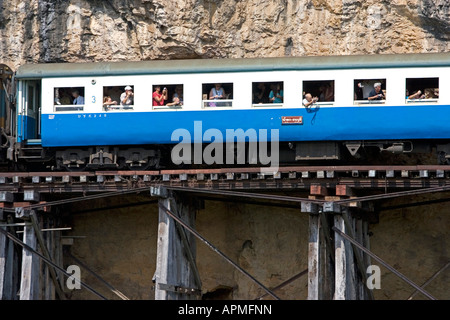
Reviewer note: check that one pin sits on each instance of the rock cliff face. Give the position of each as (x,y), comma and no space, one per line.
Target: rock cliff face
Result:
(79,30)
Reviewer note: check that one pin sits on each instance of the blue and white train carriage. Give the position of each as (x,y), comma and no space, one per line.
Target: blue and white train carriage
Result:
(344,122)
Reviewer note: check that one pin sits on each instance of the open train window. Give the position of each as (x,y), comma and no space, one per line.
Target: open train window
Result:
(217,95)
(422,90)
(369,91)
(267,94)
(167,96)
(322,89)
(68,99)
(118,97)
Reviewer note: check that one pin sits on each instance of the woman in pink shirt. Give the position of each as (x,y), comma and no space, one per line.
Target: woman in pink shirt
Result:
(158,97)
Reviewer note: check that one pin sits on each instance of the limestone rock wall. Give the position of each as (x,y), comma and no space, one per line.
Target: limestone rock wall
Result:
(79,30)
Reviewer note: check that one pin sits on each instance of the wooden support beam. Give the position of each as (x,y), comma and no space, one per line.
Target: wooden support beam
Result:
(186,211)
(340,261)
(326,259)
(320,254)
(7,291)
(350,227)
(318,190)
(175,251)
(45,252)
(30,267)
(314,257)
(361,291)
(351,285)
(344,190)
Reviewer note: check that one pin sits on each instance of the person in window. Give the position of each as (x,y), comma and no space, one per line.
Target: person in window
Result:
(276,94)
(376,93)
(327,92)
(261,95)
(108,102)
(127,97)
(217,92)
(62,97)
(416,95)
(159,97)
(309,100)
(436,93)
(177,98)
(77,98)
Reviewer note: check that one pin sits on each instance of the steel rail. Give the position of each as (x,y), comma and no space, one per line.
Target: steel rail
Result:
(114,290)
(284,283)
(262,170)
(210,245)
(429,280)
(27,247)
(400,275)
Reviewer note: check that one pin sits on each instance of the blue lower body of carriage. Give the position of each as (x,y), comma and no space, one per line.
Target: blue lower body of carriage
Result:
(26,128)
(321,124)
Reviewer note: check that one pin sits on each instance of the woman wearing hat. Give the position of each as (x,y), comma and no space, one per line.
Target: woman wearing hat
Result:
(126,98)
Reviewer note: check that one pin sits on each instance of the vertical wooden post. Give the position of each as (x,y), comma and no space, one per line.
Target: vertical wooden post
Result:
(366,258)
(340,261)
(30,267)
(361,290)
(176,276)
(327,258)
(6,268)
(58,254)
(314,258)
(320,268)
(49,293)
(351,291)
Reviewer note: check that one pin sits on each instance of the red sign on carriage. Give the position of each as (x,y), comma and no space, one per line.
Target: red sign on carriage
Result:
(292,120)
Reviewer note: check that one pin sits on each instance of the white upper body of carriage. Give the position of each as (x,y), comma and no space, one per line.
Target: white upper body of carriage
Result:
(195,88)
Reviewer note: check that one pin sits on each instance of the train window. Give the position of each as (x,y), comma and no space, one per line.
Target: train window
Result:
(68,99)
(217,95)
(322,89)
(369,91)
(167,96)
(267,94)
(422,90)
(118,97)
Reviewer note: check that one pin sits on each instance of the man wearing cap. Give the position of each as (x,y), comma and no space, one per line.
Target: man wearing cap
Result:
(126,98)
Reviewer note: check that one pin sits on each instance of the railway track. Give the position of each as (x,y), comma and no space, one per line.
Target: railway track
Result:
(299,177)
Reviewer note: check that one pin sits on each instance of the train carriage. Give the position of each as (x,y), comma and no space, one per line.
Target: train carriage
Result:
(54,130)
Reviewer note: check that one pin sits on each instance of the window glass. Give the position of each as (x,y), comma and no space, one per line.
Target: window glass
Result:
(68,99)
(323,90)
(167,96)
(217,95)
(422,90)
(118,97)
(267,93)
(367,91)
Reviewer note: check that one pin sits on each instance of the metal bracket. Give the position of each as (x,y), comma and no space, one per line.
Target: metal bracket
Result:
(159,192)
(179,289)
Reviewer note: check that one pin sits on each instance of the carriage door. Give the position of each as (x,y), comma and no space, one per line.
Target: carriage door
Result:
(29,130)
